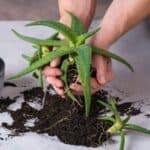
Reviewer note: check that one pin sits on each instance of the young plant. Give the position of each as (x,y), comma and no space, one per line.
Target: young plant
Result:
(73,50)
(119,124)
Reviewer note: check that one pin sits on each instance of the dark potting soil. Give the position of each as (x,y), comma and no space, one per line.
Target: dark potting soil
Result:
(147,115)
(62,117)
(5,102)
(9,84)
(126,108)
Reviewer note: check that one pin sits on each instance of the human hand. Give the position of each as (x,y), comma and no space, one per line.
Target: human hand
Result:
(103,68)
(119,18)
(52,72)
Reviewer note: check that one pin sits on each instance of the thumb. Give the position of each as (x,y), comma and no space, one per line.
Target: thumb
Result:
(55,62)
(100,64)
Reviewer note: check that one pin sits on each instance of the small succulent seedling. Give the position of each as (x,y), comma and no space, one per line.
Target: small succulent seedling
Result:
(119,124)
(73,50)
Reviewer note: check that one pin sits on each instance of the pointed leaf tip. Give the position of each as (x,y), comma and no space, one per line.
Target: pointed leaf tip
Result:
(60,27)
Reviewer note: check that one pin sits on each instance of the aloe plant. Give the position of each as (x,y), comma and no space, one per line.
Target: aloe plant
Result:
(119,124)
(73,48)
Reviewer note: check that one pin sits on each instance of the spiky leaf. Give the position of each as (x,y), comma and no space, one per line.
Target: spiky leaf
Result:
(53,36)
(27,58)
(41,78)
(83,62)
(112,101)
(76,24)
(106,118)
(63,29)
(81,39)
(64,68)
(108,106)
(122,141)
(48,42)
(136,128)
(44,60)
(34,58)
(108,54)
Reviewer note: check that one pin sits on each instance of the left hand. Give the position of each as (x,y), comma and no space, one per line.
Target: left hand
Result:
(104,74)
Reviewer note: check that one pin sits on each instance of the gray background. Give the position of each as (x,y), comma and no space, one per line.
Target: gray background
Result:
(39,9)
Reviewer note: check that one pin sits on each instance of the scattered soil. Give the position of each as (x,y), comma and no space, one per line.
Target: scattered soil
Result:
(126,108)
(72,74)
(62,117)
(9,84)
(147,115)
(4,103)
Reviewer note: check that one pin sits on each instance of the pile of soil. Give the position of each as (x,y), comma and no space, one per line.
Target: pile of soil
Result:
(62,117)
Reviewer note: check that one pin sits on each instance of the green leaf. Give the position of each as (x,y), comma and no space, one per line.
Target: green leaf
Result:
(112,101)
(35,75)
(40,69)
(105,105)
(63,29)
(81,39)
(122,142)
(53,36)
(108,54)
(136,128)
(44,60)
(36,46)
(76,24)
(27,58)
(107,118)
(83,63)
(126,119)
(64,68)
(41,78)
(35,57)
(47,42)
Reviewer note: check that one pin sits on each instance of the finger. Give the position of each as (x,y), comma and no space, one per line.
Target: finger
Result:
(55,62)
(55,82)
(109,72)
(76,88)
(49,71)
(95,86)
(100,63)
(59,91)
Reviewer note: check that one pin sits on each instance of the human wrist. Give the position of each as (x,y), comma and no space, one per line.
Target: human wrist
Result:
(100,40)
(83,9)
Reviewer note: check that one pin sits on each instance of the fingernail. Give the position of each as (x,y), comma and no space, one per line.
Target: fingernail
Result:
(102,80)
(59,73)
(53,64)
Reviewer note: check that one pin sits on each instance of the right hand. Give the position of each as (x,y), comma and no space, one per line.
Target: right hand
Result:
(52,74)
(103,75)
(120,17)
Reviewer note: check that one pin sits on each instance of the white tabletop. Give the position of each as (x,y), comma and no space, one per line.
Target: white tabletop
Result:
(134,46)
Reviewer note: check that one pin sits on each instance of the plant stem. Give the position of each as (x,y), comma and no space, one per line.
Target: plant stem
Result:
(116,113)
(41,78)
(122,142)
(136,128)
(117,126)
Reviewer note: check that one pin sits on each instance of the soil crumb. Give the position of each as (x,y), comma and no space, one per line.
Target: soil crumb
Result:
(147,115)
(10,84)
(62,118)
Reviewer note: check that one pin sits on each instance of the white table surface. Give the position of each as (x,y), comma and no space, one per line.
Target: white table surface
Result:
(134,46)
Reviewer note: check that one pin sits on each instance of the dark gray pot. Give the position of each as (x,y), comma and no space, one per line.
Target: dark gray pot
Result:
(2,72)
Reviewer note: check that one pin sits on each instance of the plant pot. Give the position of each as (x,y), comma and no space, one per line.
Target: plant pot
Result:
(2,68)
